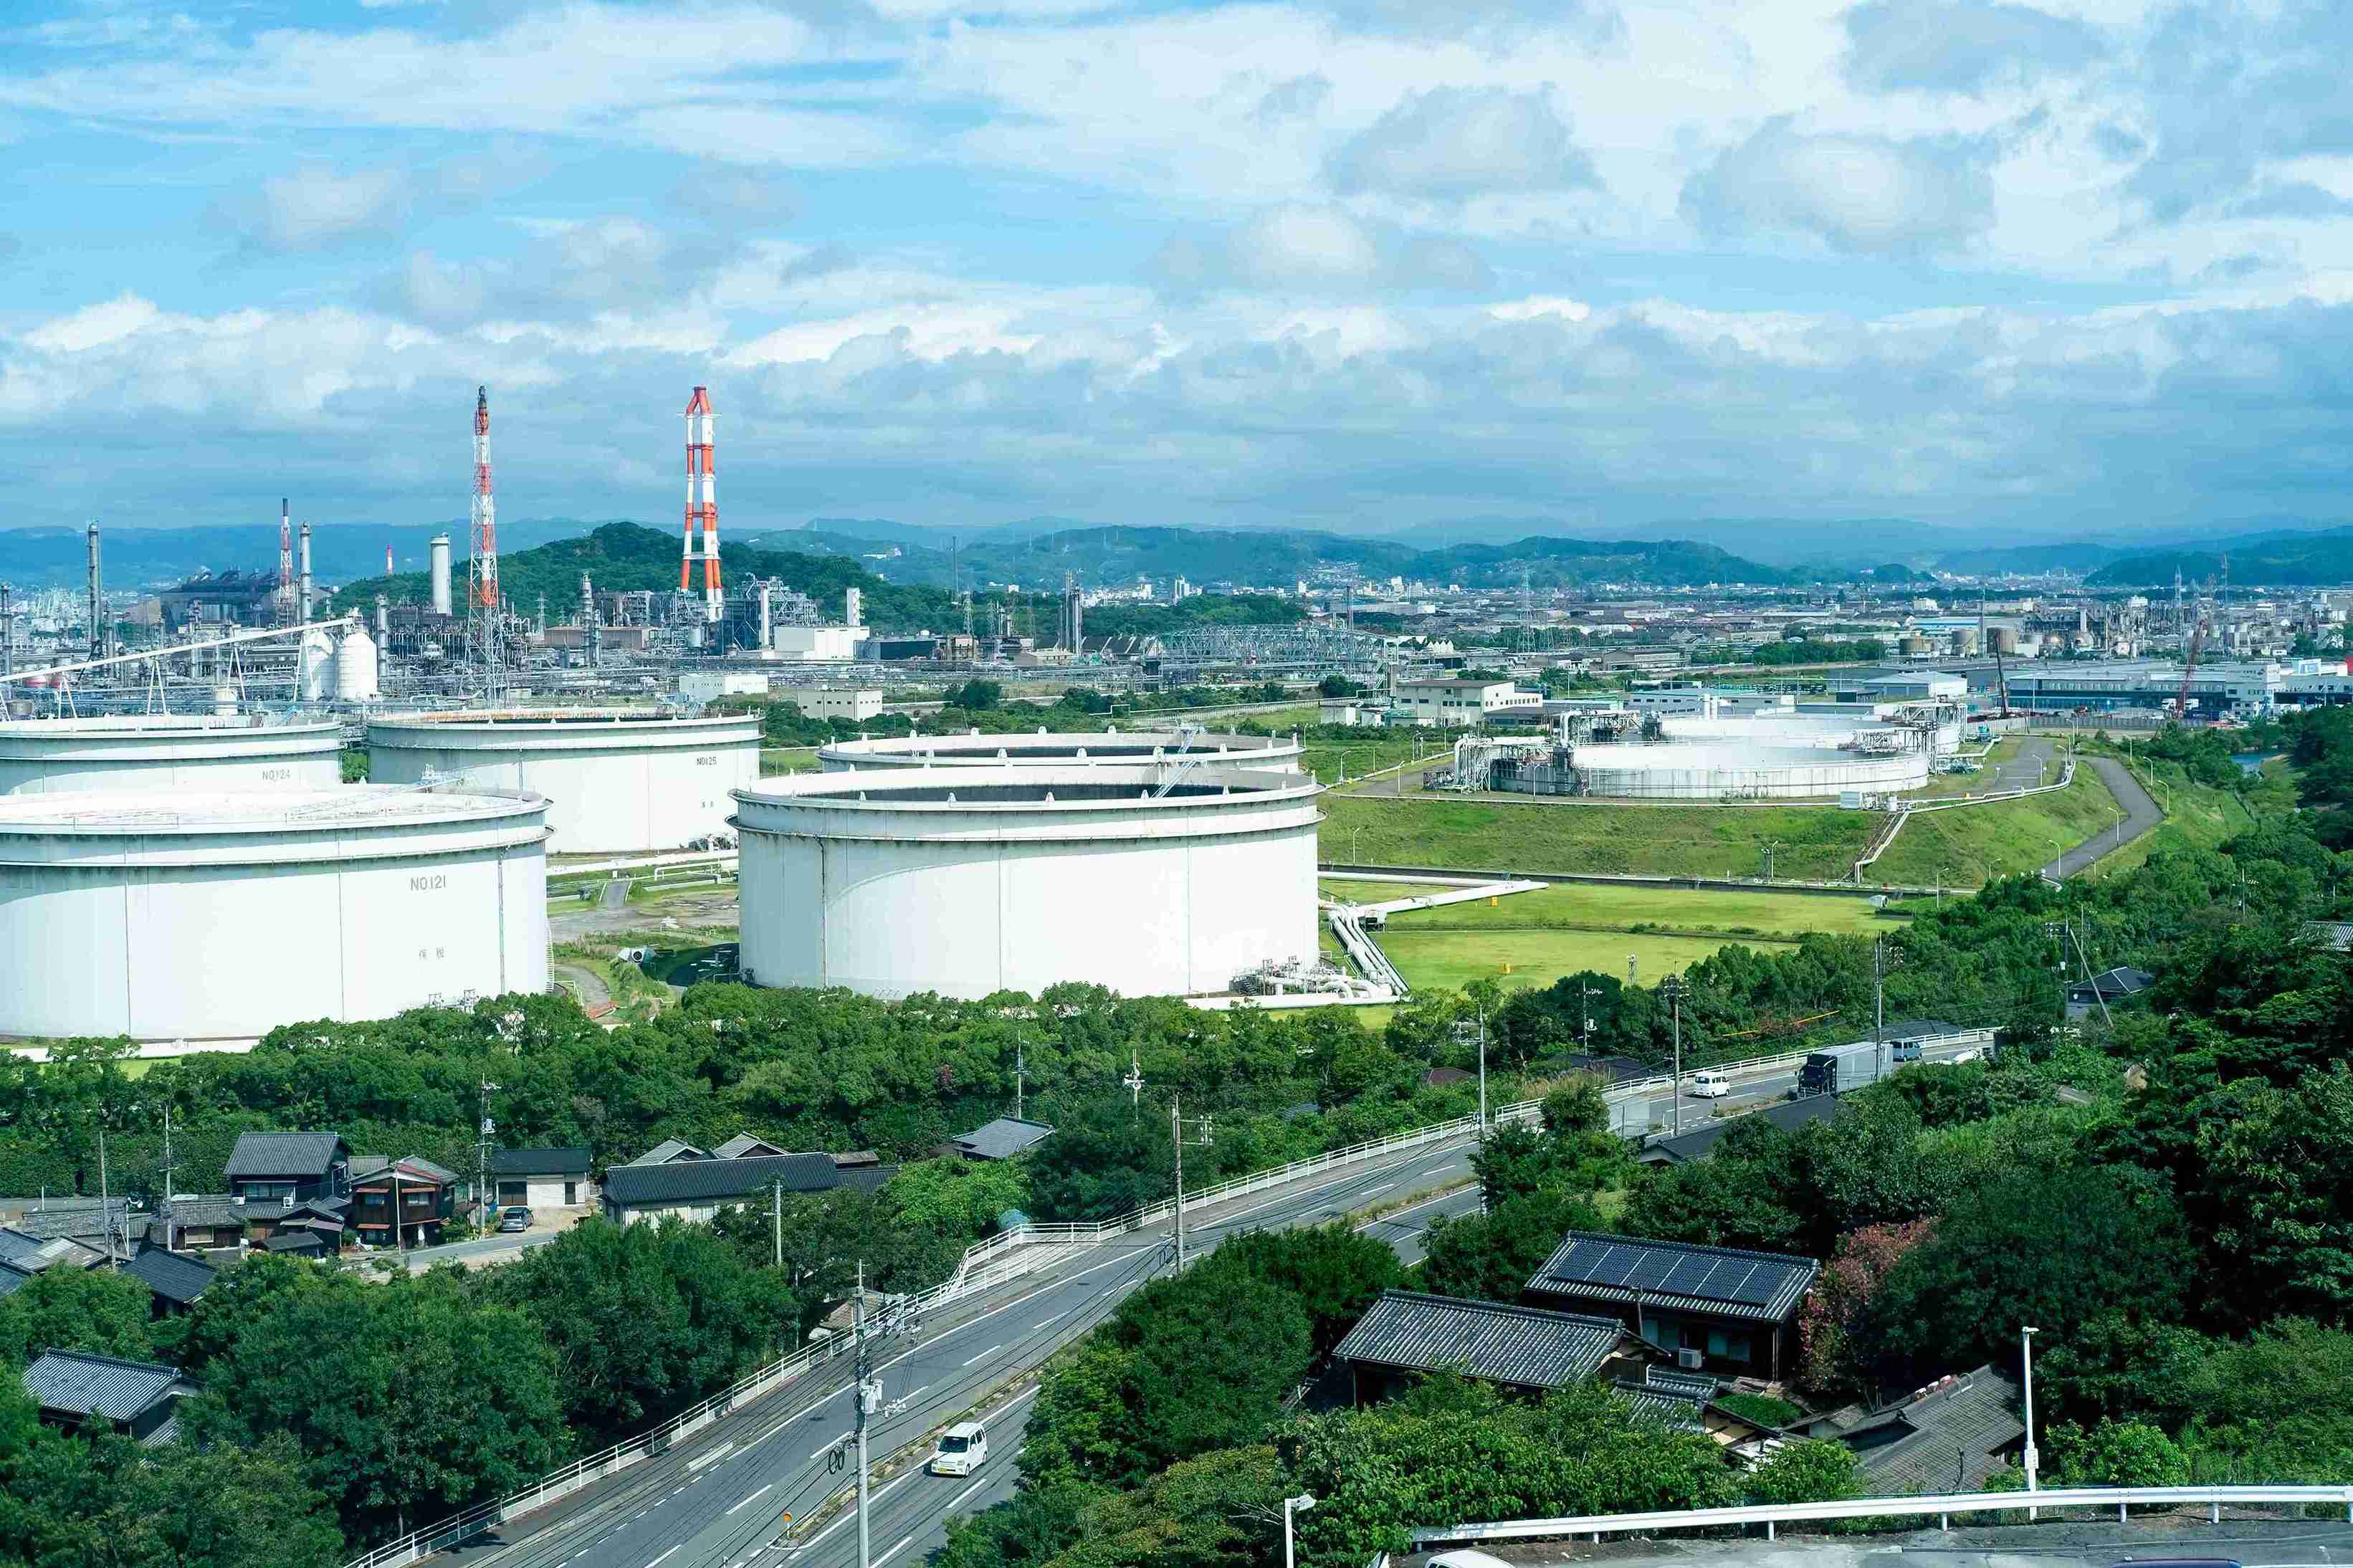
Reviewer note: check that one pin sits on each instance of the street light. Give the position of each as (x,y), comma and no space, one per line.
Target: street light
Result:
(2031,1459)
(1292,1505)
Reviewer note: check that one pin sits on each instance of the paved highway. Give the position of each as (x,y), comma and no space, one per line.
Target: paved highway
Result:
(717,1500)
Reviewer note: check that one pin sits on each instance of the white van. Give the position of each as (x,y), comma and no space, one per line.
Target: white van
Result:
(961,1450)
(1708,1084)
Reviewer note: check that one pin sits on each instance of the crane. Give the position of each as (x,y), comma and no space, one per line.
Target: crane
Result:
(2196,643)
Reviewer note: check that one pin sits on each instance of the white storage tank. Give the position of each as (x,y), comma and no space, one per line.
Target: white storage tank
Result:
(1788,771)
(967,881)
(221,916)
(355,666)
(314,666)
(1061,749)
(617,780)
(167,752)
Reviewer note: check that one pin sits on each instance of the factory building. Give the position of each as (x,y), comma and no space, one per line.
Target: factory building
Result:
(1149,879)
(220,916)
(2116,685)
(617,780)
(1114,746)
(1454,703)
(854,703)
(149,752)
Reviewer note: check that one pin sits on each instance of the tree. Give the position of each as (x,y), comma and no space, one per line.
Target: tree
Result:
(1835,1311)
(2116,1454)
(2055,1248)
(960,1198)
(1107,1159)
(244,1293)
(1214,1357)
(1491,1257)
(1333,1271)
(409,1399)
(1812,1471)
(645,1320)
(978,696)
(1748,1193)
(76,1309)
(2277,1193)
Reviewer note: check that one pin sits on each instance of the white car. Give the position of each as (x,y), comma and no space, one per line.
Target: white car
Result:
(1707,1084)
(962,1450)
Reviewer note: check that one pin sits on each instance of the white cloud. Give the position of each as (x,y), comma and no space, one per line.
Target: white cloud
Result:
(314,206)
(1863,194)
(1453,142)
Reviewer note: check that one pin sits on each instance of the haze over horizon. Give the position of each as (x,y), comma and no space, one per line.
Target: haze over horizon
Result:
(2029,272)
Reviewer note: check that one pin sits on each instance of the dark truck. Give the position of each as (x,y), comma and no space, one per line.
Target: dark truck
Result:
(1843,1070)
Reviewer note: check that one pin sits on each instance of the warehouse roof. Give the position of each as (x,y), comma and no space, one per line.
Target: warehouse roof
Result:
(179,1280)
(566,1162)
(263,1155)
(1726,1281)
(78,1383)
(688,1180)
(1001,1139)
(1525,1346)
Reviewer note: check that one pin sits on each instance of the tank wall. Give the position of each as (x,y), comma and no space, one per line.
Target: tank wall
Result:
(608,801)
(307,769)
(1712,772)
(232,951)
(966,919)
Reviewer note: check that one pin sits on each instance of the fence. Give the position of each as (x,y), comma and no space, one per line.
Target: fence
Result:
(1772,1516)
(1009,1255)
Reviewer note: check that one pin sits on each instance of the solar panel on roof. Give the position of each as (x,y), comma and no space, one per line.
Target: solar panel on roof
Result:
(1585,1262)
(1651,1271)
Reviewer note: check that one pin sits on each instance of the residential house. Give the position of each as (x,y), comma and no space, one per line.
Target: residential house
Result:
(426,1193)
(698,1189)
(1719,1309)
(1788,1115)
(1689,1400)
(1001,1139)
(204,1221)
(744,1146)
(2114,986)
(1405,1333)
(670,1150)
(542,1178)
(87,1221)
(174,1283)
(275,1167)
(139,1399)
(1950,1436)
(23,1257)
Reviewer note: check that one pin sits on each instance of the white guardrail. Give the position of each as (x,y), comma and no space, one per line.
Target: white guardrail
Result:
(1772,1516)
(1008,1255)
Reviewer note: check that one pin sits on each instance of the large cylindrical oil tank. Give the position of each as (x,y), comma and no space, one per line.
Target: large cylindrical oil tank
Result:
(355,666)
(968,881)
(167,752)
(617,780)
(222,916)
(1697,771)
(1064,747)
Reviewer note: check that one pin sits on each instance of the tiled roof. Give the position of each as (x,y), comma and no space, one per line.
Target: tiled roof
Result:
(412,1167)
(1525,1346)
(1918,1029)
(295,1241)
(1950,1436)
(687,1180)
(281,1155)
(56,1251)
(668,1150)
(78,1220)
(1001,1139)
(82,1384)
(868,1179)
(177,1279)
(216,1210)
(744,1146)
(540,1163)
(1725,1281)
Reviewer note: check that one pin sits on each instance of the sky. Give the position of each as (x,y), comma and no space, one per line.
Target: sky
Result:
(2026,270)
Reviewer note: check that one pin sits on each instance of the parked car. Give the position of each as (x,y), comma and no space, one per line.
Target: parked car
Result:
(514,1217)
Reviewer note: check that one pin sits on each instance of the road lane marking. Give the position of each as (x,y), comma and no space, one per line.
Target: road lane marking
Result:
(986,1354)
(715,1455)
(1368,1192)
(969,1491)
(894,1552)
(747,1502)
(871,1498)
(666,1556)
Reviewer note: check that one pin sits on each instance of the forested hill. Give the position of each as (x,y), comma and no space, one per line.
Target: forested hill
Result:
(2307,560)
(622,557)
(1274,557)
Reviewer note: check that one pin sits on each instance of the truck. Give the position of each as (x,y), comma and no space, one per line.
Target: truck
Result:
(1842,1069)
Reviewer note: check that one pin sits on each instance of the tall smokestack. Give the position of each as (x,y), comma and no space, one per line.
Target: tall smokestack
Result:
(303,612)
(97,599)
(384,620)
(438,554)
(853,606)
(592,635)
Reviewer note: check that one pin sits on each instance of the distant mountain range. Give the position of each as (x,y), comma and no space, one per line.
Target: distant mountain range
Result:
(2277,559)
(147,558)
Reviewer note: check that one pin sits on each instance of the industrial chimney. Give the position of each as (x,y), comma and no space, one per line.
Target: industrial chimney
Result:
(302,612)
(440,558)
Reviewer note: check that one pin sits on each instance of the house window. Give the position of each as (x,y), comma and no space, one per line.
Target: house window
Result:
(1727,1346)
(571,1194)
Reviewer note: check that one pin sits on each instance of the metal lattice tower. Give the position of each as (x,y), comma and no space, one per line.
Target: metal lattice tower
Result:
(701,507)
(285,564)
(482,563)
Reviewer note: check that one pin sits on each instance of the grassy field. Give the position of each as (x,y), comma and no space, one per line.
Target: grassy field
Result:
(1814,842)
(1537,956)
(1958,848)
(1572,907)
(1357,892)
(1328,759)
(787,760)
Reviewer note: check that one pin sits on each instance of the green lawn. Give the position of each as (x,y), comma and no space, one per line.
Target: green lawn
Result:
(1577,905)
(1958,847)
(787,760)
(1357,892)
(1814,842)
(1537,957)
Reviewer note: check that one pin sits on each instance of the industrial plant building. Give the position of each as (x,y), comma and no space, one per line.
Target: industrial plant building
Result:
(1169,880)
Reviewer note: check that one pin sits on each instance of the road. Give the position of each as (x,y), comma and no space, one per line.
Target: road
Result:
(716,1500)
(2080,1542)
(2141,815)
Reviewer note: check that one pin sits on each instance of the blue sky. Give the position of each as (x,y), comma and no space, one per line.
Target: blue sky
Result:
(1332,263)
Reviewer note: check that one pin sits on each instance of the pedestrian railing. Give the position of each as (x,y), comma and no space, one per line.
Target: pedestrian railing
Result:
(1772,1516)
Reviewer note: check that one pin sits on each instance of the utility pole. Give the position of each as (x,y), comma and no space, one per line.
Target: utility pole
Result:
(1020,1067)
(1467,1033)
(776,1219)
(483,1195)
(1133,1081)
(868,1396)
(1674,987)
(167,1151)
(105,1200)
(1207,1136)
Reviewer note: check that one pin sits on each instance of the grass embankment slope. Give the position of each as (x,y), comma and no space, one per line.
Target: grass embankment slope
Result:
(1813,842)
(1958,847)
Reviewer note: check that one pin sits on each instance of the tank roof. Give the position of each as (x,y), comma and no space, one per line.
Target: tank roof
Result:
(548,718)
(293,810)
(1034,787)
(161,724)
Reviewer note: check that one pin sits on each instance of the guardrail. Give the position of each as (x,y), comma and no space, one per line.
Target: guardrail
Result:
(1007,1255)
(1772,1516)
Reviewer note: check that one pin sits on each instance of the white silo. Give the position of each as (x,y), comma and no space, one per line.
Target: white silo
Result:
(355,667)
(314,667)
(439,568)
